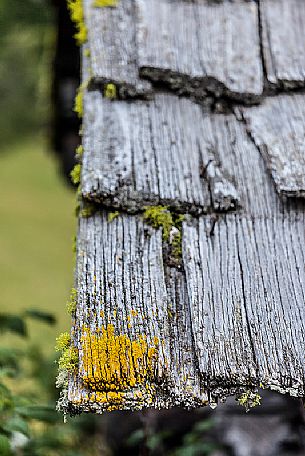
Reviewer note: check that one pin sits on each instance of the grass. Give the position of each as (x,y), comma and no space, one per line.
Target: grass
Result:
(36,230)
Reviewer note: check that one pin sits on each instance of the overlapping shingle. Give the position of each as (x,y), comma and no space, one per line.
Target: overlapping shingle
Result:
(228,315)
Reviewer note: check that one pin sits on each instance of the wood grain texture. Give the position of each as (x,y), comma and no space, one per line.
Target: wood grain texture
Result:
(196,47)
(121,282)
(246,290)
(283,36)
(112,43)
(233,321)
(156,152)
(278,129)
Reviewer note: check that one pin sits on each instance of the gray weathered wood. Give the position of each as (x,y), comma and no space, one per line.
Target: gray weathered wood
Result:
(201,46)
(246,290)
(112,42)
(237,315)
(156,152)
(283,37)
(121,282)
(278,129)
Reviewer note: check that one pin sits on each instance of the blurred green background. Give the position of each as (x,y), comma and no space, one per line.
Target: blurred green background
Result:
(36,207)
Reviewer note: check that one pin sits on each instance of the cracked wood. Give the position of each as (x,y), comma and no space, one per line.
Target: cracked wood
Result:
(112,43)
(283,37)
(157,152)
(278,129)
(203,51)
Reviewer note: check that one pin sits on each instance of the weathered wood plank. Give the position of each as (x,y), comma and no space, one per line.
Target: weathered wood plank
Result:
(123,309)
(283,36)
(278,129)
(112,42)
(157,152)
(246,288)
(201,46)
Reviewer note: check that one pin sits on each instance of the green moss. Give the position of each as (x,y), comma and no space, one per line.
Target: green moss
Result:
(75,174)
(110,91)
(171,224)
(87,52)
(159,217)
(63,341)
(79,152)
(69,360)
(249,399)
(105,3)
(71,304)
(177,245)
(87,210)
(113,215)
(77,16)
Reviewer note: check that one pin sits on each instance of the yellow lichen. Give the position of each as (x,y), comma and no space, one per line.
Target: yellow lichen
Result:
(79,99)
(87,52)
(110,91)
(77,16)
(115,363)
(105,3)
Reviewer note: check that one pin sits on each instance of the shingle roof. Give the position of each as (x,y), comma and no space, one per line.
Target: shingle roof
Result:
(199,126)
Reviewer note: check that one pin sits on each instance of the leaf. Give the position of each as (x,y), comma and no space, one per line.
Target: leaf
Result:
(45,317)
(5,446)
(16,424)
(37,412)
(9,359)
(203,425)
(135,438)
(12,323)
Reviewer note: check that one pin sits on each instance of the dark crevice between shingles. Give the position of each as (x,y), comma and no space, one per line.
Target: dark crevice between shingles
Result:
(260,34)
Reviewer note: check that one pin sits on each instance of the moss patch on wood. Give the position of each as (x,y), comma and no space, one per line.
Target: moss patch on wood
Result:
(105,3)
(112,216)
(110,91)
(71,304)
(75,174)
(171,224)
(77,16)
(249,399)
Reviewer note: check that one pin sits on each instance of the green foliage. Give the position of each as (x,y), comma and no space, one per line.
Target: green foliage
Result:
(44,317)
(30,429)
(196,442)
(26,40)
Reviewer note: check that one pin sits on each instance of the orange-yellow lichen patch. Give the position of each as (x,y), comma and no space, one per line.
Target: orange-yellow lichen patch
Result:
(115,363)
